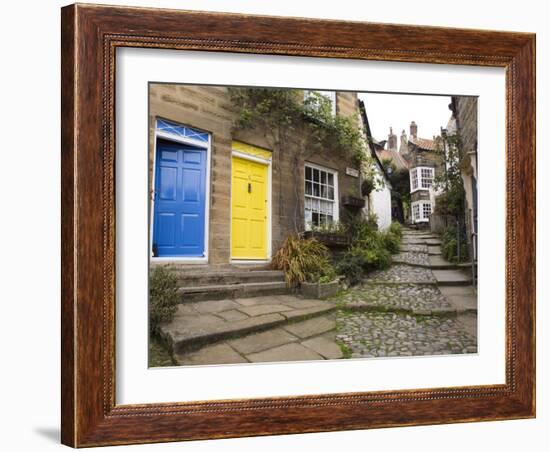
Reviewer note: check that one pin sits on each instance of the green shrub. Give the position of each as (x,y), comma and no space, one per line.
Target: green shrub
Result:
(449,246)
(358,226)
(302,260)
(163,297)
(396,228)
(391,241)
(359,260)
(352,267)
(370,250)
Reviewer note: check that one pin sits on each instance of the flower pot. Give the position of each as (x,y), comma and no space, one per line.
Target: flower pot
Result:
(319,290)
(330,239)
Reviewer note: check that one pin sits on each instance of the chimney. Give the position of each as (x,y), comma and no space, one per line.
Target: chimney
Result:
(392,141)
(414,129)
(404,145)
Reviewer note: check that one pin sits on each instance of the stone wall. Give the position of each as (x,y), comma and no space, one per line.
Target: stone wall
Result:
(209,108)
(466,121)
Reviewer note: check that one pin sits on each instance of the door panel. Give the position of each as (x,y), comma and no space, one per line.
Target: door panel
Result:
(180,191)
(248,209)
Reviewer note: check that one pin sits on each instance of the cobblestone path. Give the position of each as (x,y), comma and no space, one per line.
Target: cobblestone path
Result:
(401,311)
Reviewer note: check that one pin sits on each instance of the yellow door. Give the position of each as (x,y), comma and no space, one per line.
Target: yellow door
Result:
(248,209)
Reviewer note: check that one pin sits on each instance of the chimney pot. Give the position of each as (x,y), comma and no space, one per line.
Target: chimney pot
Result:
(414,129)
(392,140)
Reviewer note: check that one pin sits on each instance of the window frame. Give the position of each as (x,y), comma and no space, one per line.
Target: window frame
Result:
(331,95)
(420,205)
(335,201)
(416,175)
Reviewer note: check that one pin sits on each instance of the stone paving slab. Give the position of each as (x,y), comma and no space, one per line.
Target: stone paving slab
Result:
(434,250)
(311,327)
(437,262)
(214,354)
(299,314)
(433,242)
(287,352)
(463,298)
(202,330)
(262,341)
(199,323)
(451,278)
(264,309)
(232,315)
(325,346)
(215,306)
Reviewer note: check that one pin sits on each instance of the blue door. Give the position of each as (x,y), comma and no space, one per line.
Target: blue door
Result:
(180,182)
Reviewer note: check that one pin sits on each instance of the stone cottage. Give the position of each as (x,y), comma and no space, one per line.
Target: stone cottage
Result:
(464,121)
(223,195)
(425,162)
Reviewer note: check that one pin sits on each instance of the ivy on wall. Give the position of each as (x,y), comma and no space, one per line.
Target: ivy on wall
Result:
(301,127)
(285,111)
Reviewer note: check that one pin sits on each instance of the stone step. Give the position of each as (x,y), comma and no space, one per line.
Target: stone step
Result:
(452,278)
(413,242)
(241,290)
(438,263)
(211,278)
(434,250)
(463,298)
(193,326)
(433,242)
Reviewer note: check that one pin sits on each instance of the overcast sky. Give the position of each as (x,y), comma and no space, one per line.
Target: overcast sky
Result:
(398,110)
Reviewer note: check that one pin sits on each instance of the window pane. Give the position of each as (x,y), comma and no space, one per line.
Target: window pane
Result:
(323,177)
(315,219)
(330,194)
(308,188)
(308,173)
(323,191)
(316,190)
(331,179)
(316,175)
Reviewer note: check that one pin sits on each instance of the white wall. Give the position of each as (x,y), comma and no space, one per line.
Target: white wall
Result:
(31,272)
(380,204)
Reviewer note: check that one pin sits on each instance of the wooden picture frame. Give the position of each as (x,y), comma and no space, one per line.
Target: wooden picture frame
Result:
(90,36)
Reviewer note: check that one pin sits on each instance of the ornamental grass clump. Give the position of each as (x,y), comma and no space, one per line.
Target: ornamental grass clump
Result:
(163,297)
(303,260)
(397,229)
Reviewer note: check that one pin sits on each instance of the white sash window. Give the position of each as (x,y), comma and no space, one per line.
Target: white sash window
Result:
(321,195)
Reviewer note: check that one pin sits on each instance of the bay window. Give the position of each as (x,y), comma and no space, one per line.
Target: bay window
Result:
(422,178)
(421,211)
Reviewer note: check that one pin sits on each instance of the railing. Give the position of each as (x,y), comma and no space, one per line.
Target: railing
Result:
(438,223)
(464,233)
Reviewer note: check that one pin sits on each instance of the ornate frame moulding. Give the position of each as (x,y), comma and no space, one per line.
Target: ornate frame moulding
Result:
(90,36)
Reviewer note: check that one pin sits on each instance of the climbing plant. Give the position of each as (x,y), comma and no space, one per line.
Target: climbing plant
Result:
(449,182)
(451,200)
(301,126)
(284,111)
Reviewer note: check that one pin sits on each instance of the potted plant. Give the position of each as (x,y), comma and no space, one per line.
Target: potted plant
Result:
(331,235)
(321,286)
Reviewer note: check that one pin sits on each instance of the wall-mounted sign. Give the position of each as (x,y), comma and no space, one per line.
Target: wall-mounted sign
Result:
(352,172)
